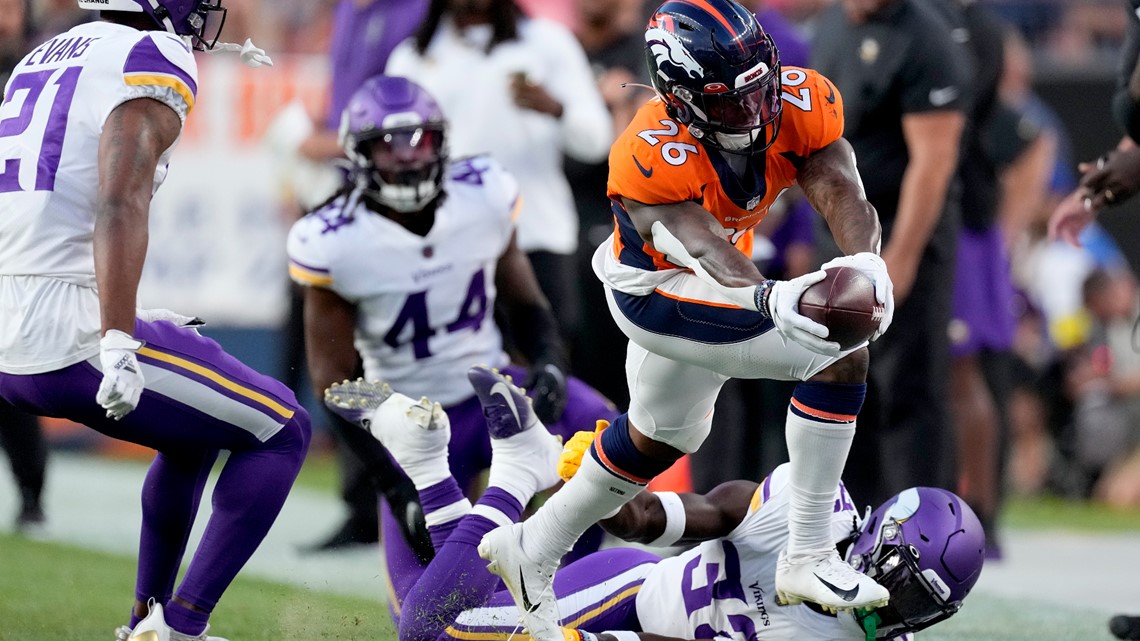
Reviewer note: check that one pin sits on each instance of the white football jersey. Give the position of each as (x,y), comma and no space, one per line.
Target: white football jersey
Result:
(425,304)
(727,586)
(51,120)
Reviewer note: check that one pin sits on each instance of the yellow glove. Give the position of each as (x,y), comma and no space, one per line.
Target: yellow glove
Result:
(575,449)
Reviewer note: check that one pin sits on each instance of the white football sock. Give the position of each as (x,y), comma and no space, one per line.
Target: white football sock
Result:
(526,463)
(591,495)
(818,452)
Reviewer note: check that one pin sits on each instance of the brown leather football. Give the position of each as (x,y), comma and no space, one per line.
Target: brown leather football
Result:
(844,302)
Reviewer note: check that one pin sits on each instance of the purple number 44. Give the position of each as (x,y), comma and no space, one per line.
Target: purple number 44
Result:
(31,85)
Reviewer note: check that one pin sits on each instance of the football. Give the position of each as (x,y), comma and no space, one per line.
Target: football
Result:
(844,302)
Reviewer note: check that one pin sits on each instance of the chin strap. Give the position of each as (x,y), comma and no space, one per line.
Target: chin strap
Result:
(251,55)
(869,620)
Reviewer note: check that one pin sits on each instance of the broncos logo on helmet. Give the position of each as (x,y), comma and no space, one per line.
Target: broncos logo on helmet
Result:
(717,71)
(666,47)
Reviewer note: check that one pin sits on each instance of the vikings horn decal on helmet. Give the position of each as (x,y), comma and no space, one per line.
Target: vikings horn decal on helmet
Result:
(926,546)
(395,135)
(717,71)
(199,20)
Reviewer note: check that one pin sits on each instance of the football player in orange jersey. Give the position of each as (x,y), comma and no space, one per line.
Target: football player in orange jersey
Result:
(692,175)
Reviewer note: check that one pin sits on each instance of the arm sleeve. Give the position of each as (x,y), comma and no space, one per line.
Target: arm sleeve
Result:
(587,129)
(309,263)
(161,67)
(935,74)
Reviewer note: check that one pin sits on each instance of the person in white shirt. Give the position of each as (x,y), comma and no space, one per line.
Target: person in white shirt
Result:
(87,129)
(521,90)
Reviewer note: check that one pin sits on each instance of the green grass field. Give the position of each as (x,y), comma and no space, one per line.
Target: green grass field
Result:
(62,593)
(53,591)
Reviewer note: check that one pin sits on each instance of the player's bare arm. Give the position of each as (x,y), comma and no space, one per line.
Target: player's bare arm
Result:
(519,290)
(134,137)
(700,234)
(707,516)
(329,324)
(932,140)
(830,180)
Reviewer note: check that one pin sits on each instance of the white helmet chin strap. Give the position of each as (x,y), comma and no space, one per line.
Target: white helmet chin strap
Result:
(251,55)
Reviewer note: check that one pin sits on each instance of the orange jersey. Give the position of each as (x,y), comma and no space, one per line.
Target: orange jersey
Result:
(657,161)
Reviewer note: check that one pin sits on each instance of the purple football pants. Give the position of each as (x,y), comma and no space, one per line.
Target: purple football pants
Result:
(469,453)
(198,400)
(455,597)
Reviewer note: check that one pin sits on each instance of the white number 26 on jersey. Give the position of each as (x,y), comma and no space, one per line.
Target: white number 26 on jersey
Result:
(675,153)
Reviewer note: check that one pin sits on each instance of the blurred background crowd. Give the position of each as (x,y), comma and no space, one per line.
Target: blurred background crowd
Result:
(1054,405)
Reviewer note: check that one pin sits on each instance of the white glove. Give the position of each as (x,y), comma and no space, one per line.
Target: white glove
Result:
(780,299)
(123,382)
(873,267)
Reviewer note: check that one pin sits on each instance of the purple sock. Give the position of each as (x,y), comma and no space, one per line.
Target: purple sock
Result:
(436,497)
(457,578)
(185,620)
(502,501)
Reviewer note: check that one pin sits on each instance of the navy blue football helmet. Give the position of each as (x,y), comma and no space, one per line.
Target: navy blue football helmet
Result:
(717,71)
(199,20)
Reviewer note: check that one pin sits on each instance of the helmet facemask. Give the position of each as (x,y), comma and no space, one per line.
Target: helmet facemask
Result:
(205,23)
(401,167)
(744,120)
(918,597)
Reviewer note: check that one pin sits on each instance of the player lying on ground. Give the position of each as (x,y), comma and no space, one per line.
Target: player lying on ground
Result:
(924,545)
(403,269)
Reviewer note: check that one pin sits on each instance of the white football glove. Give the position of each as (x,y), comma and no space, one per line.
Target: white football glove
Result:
(251,55)
(123,382)
(873,267)
(782,306)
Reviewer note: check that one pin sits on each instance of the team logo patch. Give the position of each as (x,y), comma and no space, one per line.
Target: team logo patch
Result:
(667,47)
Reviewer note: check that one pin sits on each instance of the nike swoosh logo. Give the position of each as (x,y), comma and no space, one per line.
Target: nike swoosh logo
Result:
(527,605)
(501,389)
(846,595)
(830,96)
(644,172)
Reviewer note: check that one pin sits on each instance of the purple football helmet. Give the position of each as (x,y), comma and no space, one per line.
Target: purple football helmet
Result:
(924,545)
(395,135)
(199,20)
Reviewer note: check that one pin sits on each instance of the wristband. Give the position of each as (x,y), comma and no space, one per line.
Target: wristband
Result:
(674,519)
(623,635)
(762,291)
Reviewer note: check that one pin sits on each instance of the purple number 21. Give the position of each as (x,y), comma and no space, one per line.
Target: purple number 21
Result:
(51,146)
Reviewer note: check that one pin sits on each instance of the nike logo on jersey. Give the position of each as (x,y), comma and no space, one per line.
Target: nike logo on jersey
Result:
(502,390)
(846,595)
(644,172)
(830,96)
(527,605)
(943,96)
